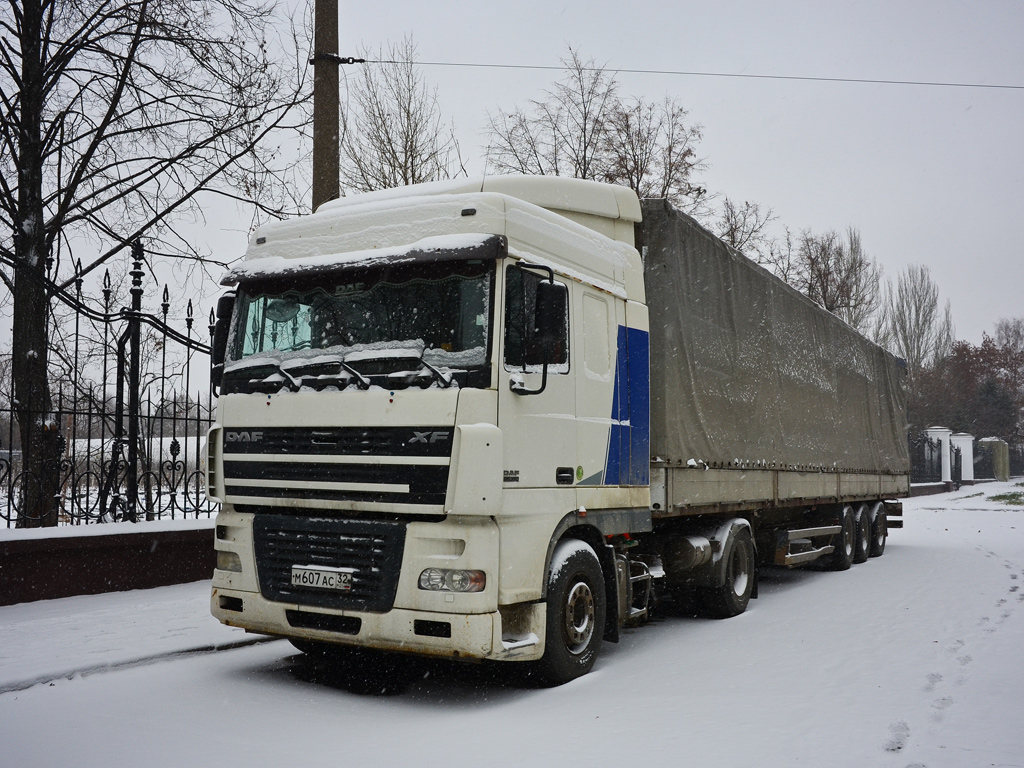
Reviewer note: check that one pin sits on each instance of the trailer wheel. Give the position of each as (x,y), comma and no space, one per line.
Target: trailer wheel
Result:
(862,547)
(845,542)
(575,613)
(879,530)
(731,597)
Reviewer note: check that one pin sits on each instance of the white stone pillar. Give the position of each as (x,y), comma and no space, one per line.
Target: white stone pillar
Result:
(942,435)
(965,443)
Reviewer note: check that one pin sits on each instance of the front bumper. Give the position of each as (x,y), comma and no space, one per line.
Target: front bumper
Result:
(472,636)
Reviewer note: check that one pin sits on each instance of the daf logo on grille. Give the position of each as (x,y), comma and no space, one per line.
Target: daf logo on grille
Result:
(243,437)
(429,437)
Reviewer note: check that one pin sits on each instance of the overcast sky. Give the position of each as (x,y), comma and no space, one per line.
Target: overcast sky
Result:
(930,175)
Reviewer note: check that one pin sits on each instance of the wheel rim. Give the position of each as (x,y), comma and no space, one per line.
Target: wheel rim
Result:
(849,533)
(579,617)
(739,571)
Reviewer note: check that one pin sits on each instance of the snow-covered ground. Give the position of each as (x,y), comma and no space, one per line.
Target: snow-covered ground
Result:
(912,659)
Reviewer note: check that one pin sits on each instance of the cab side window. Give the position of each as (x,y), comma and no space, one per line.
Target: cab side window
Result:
(523,347)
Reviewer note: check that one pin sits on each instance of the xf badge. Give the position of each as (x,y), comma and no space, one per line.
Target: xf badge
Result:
(429,437)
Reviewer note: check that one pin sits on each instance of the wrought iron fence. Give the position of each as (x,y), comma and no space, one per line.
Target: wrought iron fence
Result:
(925,458)
(1017,460)
(984,466)
(127,422)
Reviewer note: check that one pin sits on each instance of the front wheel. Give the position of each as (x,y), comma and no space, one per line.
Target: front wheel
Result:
(575,613)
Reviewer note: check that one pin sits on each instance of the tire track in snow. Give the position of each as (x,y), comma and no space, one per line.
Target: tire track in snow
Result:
(140,661)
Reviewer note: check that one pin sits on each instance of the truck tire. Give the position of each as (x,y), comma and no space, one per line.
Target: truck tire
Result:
(845,542)
(879,530)
(730,598)
(575,613)
(862,546)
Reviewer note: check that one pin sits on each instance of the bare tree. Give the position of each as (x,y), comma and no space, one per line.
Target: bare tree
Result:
(565,133)
(1010,339)
(582,128)
(779,254)
(578,110)
(652,149)
(745,228)
(1010,334)
(836,273)
(832,270)
(114,116)
(393,131)
(915,327)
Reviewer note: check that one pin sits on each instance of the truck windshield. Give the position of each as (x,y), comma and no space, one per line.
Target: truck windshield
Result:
(429,319)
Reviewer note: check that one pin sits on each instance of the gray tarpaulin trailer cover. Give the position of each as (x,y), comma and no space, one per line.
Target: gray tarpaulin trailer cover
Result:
(748,372)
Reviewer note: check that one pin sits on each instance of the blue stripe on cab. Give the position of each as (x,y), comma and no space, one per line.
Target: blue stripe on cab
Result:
(630,436)
(639,348)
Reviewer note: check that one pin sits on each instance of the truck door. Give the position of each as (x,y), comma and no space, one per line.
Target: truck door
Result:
(595,384)
(538,430)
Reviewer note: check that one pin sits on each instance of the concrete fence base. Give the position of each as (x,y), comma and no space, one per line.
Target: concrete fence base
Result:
(46,568)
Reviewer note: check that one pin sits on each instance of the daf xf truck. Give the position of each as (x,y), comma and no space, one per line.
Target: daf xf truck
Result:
(495,418)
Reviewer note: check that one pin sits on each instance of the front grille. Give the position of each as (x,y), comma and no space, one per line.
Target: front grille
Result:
(417,472)
(372,548)
(427,484)
(341,441)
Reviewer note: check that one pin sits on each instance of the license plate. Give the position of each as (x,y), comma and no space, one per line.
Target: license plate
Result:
(319,577)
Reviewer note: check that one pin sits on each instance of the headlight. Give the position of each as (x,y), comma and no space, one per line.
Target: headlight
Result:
(444,580)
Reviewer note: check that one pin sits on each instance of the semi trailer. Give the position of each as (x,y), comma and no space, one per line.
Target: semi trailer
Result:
(500,418)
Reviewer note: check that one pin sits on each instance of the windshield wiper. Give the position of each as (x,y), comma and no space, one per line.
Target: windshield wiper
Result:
(414,356)
(320,363)
(444,380)
(330,368)
(362,381)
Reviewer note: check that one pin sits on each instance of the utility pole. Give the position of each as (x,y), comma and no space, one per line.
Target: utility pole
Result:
(325,62)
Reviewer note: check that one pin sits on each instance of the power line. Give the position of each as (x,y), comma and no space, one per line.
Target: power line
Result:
(682,73)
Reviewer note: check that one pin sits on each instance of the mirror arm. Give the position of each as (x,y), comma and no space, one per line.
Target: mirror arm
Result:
(520,389)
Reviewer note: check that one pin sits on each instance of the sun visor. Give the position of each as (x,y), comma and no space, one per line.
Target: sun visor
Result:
(456,247)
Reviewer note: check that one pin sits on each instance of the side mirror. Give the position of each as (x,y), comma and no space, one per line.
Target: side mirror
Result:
(550,325)
(552,311)
(219,347)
